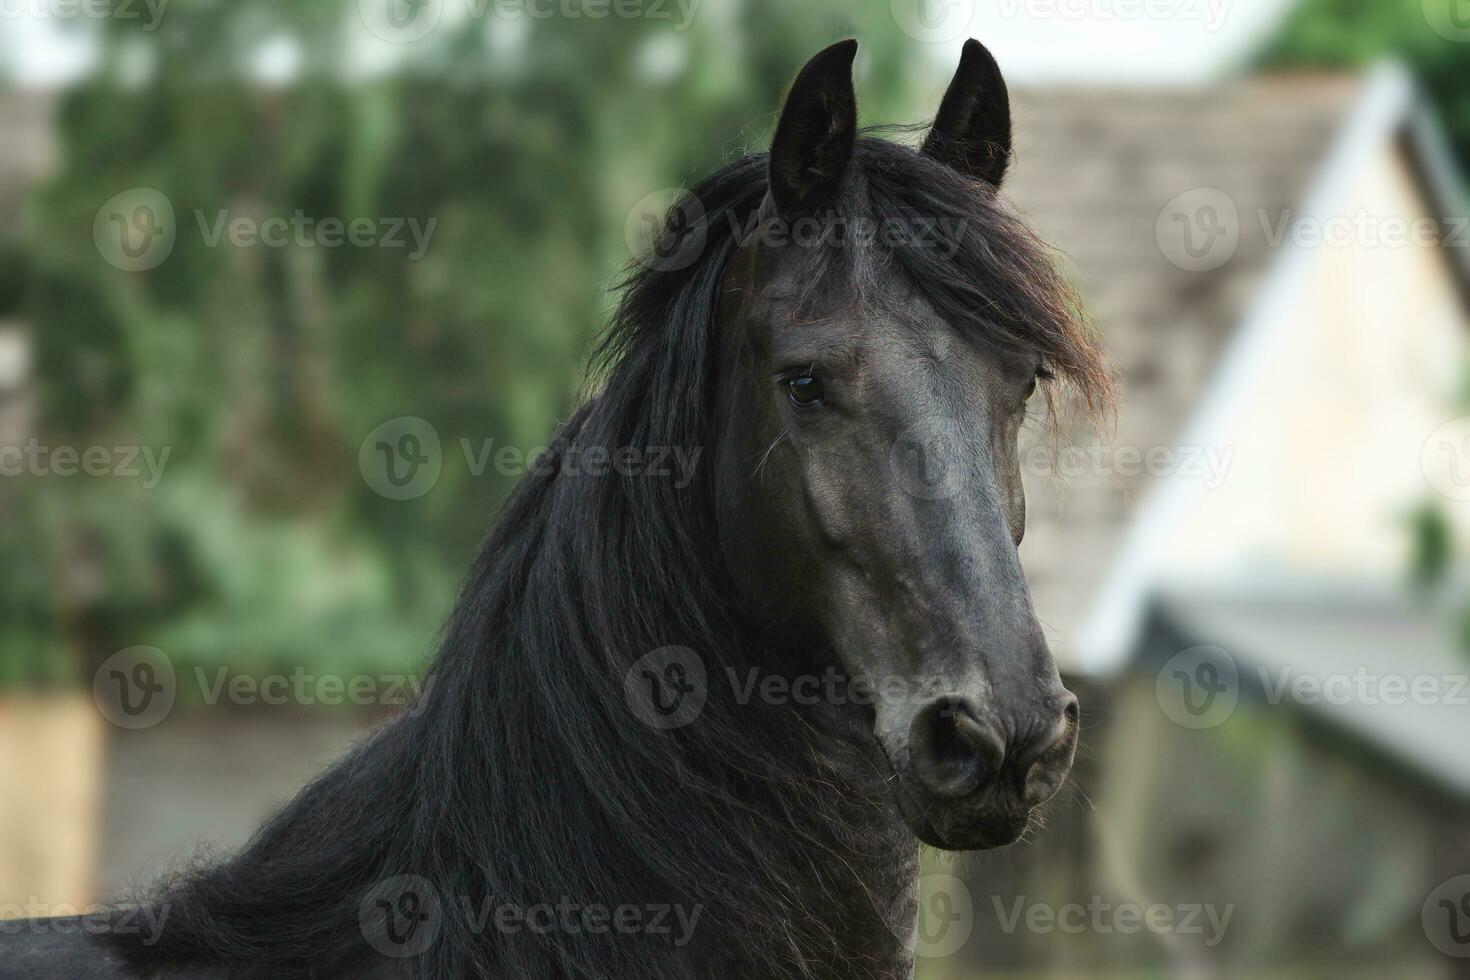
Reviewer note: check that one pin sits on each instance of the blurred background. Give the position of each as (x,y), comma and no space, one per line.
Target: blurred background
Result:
(242,245)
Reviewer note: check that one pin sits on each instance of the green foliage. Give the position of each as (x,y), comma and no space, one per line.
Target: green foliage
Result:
(1432,546)
(261,370)
(1354,33)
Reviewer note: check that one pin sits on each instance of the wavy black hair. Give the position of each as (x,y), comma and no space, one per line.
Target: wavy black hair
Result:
(523,777)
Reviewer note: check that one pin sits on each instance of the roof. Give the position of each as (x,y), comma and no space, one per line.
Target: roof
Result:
(1096,170)
(1375,664)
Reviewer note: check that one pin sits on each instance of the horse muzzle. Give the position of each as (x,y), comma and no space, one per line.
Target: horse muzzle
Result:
(969,783)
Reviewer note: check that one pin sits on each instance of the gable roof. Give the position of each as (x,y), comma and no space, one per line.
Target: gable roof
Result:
(1375,665)
(1097,170)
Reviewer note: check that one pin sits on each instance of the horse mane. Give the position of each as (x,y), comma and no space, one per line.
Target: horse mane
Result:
(522,776)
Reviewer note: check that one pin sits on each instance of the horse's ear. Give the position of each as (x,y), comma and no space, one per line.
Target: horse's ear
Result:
(816,132)
(972,132)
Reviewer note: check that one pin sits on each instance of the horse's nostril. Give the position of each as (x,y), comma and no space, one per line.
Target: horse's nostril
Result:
(1046,764)
(953,753)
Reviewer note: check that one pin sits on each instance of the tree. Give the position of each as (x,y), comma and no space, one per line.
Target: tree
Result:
(521,142)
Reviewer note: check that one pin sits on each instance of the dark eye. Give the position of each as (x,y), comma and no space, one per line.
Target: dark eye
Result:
(805,389)
(1042,374)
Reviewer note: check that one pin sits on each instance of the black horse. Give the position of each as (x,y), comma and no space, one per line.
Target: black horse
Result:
(692,728)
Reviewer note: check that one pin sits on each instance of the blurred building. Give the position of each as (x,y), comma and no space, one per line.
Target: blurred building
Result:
(1279,388)
(1282,285)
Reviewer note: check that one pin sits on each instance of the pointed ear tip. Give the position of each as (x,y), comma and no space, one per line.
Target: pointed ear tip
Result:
(832,61)
(975,51)
(846,49)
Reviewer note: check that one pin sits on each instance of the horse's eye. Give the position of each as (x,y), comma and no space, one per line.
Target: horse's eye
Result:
(1042,374)
(805,390)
